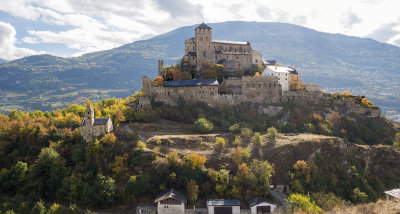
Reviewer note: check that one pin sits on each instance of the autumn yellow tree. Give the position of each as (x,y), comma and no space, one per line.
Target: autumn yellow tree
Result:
(346,93)
(159,81)
(192,191)
(257,74)
(295,83)
(194,161)
(366,102)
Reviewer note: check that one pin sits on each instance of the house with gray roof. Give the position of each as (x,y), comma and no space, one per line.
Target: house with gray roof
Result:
(260,205)
(223,206)
(171,202)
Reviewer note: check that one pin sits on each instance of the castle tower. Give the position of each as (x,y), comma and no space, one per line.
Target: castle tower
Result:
(89,116)
(204,47)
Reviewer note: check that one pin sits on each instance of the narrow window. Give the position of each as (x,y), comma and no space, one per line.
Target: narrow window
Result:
(204,53)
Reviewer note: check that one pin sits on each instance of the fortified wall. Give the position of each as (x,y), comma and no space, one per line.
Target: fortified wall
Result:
(262,90)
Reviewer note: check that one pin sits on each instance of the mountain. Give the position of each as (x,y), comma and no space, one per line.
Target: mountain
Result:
(334,61)
(3,60)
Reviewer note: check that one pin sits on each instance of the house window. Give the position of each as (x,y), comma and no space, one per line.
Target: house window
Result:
(237,57)
(168,93)
(247,85)
(204,53)
(207,38)
(201,38)
(274,84)
(256,60)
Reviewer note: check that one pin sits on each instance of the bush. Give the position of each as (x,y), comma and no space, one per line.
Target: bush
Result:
(237,141)
(257,139)
(141,145)
(202,125)
(272,132)
(219,144)
(246,133)
(132,136)
(303,202)
(235,128)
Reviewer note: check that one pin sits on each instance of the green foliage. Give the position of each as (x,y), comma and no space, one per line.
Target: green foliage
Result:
(47,173)
(103,191)
(219,144)
(202,125)
(235,128)
(237,141)
(359,196)
(303,202)
(272,132)
(257,139)
(396,142)
(246,133)
(262,171)
(192,191)
(327,201)
(141,145)
(39,208)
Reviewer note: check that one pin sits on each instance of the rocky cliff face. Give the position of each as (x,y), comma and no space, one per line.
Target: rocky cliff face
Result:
(379,161)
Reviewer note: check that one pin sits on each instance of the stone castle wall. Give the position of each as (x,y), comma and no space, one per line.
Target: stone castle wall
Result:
(261,89)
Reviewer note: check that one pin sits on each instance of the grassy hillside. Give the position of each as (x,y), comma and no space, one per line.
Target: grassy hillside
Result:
(336,62)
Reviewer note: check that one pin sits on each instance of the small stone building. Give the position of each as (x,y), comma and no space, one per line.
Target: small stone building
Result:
(261,206)
(222,206)
(171,202)
(92,127)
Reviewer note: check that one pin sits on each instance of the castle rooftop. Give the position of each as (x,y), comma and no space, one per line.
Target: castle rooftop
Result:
(230,42)
(197,82)
(203,26)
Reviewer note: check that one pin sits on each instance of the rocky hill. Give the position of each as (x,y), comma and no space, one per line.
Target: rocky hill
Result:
(336,62)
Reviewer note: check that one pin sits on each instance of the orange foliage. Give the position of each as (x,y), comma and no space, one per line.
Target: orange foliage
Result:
(257,74)
(194,161)
(346,93)
(109,138)
(158,81)
(177,75)
(365,101)
(295,83)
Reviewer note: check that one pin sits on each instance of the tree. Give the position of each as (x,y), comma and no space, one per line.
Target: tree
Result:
(240,155)
(158,81)
(47,173)
(192,191)
(219,144)
(272,134)
(303,202)
(186,76)
(169,75)
(235,128)
(366,102)
(358,196)
(237,141)
(295,83)
(109,139)
(346,93)
(177,75)
(396,142)
(103,191)
(257,74)
(202,125)
(194,161)
(39,208)
(262,171)
(257,139)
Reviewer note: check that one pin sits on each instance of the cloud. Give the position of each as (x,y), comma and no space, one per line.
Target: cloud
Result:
(8,50)
(30,40)
(349,19)
(386,32)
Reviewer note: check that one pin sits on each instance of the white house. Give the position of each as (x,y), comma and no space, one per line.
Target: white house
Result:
(392,194)
(222,206)
(261,206)
(171,202)
(283,74)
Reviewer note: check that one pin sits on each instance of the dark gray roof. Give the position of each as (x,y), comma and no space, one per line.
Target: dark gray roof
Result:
(97,121)
(203,26)
(223,202)
(192,54)
(198,82)
(172,193)
(258,200)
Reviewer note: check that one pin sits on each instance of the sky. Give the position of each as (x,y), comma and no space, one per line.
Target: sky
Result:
(73,27)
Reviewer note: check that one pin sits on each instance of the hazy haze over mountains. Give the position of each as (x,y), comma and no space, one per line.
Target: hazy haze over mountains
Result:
(334,61)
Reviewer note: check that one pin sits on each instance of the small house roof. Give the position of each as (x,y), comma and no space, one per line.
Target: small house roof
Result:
(394,192)
(203,26)
(255,201)
(197,82)
(223,202)
(172,193)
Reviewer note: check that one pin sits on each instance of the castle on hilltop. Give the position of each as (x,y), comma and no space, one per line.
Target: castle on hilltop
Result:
(232,54)
(269,87)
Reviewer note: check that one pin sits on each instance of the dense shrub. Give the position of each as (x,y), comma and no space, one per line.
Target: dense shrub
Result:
(202,125)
